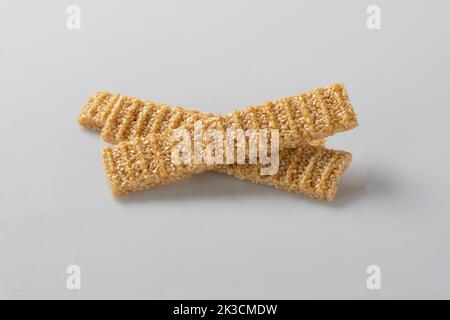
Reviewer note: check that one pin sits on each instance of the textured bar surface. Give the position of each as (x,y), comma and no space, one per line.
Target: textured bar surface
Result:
(142,163)
(300,118)
(97,109)
(324,111)
(309,170)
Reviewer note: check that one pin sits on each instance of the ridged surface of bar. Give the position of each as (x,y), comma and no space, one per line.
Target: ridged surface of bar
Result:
(300,118)
(145,162)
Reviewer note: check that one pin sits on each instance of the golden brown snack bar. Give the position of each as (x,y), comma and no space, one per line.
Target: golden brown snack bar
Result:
(300,118)
(144,162)
(125,117)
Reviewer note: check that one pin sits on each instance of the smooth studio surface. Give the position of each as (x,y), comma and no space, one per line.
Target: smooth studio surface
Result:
(213,236)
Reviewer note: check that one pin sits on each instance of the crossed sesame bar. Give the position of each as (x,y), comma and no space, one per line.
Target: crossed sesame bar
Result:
(300,119)
(138,165)
(144,162)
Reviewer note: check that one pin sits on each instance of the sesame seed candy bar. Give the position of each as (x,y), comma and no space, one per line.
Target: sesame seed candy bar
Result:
(300,118)
(131,117)
(142,163)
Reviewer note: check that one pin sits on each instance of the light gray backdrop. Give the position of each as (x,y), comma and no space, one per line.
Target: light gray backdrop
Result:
(213,236)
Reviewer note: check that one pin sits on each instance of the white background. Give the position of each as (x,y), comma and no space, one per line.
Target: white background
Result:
(213,236)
